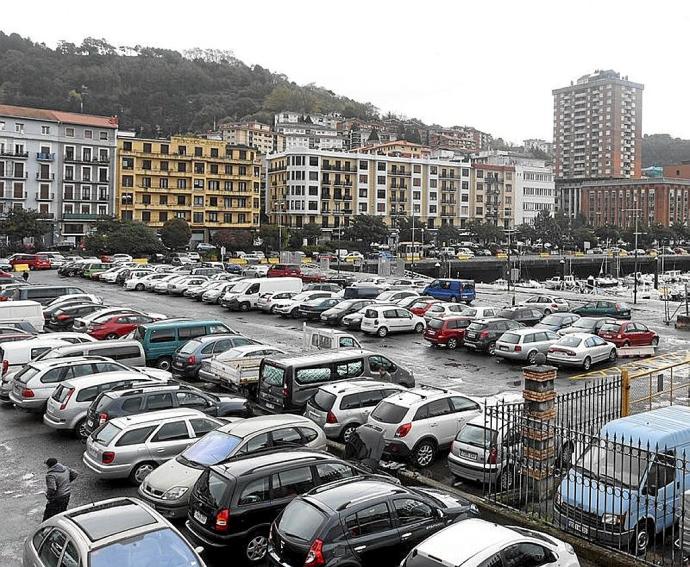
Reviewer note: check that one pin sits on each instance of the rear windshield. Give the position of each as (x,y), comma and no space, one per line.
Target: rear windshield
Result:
(477,436)
(552,320)
(436,323)
(371,314)
(61,393)
(611,328)
(189,347)
(584,324)
(568,341)
(102,402)
(211,488)
(272,375)
(323,400)
(476,327)
(165,545)
(301,520)
(506,313)
(510,338)
(387,412)
(105,434)
(25,374)
(211,449)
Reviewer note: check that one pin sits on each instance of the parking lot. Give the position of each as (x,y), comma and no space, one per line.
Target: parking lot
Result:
(25,442)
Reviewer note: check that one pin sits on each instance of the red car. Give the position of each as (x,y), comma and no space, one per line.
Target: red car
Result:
(34,261)
(284,270)
(422,306)
(628,333)
(116,326)
(449,331)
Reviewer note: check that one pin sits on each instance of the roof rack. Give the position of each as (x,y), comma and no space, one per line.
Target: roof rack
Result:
(267,465)
(345,505)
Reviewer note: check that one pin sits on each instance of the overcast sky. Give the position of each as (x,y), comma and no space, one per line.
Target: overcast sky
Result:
(489,64)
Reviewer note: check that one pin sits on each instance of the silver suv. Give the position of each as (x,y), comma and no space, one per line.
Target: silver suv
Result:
(67,407)
(341,408)
(168,488)
(131,447)
(419,422)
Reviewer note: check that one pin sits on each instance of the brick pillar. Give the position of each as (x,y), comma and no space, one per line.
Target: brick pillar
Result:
(538,427)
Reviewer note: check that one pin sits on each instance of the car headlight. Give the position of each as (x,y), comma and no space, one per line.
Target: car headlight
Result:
(174,493)
(569,549)
(613,519)
(474,509)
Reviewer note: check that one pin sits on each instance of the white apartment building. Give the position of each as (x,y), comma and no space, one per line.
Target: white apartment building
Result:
(534,192)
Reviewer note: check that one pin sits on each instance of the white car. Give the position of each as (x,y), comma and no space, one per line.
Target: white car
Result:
(443,309)
(290,307)
(547,304)
(382,319)
(194,256)
(394,295)
(268,301)
(74,298)
(117,258)
(480,312)
(581,349)
(419,422)
(488,544)
(109,276)
(178,287)
(144,282)
(161,285)
(465,252)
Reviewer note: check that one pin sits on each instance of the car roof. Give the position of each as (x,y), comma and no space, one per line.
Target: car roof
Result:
(318,357)
(355,386)
(33,342)
(476,536)
(339,495)
(251,425)
(114,517)
(421,394)
(67,360)
(525,331)
(162,386)
(582,336)
(215,337)
(490,320)
(267,460)
(105,377)
(156,417)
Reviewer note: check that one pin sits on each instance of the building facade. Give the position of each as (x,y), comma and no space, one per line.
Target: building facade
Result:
(597,127)
(61,164)
(310,131)
(330,188)
(211,184)
(534,192)
(254,135)
(537,144)
(618,202)
(494,194)
(678,170)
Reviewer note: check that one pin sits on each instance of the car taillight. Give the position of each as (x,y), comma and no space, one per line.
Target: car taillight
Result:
(330,418)
(286,393)
(403,430)
(222,518)
(102,418)
(493,455)
(518,348)
(5,366)
(191,359)
(62,317)
(107,457)
(552,350)
(27,393)
(554,305)
(69,395)
(569,352)
(483,334)
(315,555)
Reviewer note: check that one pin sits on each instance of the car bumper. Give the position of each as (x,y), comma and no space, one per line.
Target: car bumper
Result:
(205,539)
(106,471)
(478,346)
(472,471)
(186,371)
(55,423)
(512,355)
(29,404)
(173,510)
(618,538)
(207,376)
(564,360)
(396,449)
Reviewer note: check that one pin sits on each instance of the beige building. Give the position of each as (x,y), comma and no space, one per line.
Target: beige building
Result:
(255,135)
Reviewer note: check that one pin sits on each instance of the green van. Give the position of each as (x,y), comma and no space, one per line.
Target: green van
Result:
(162,338)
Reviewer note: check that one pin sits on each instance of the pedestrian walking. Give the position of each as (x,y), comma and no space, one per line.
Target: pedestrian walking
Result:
(59,480)
(25,275)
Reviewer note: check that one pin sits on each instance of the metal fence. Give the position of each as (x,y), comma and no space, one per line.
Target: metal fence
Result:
(654,382)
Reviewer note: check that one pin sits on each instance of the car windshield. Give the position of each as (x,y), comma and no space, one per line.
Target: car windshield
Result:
(387,412)
(435,323)
(477,435)
(611,328)
(471,312)
(584,324)
(211,449)
(106,433)
(510,338)
(300,520)
(552,320)
(614,462)
(189,347)
(569,342)
(160,547)
(323,400)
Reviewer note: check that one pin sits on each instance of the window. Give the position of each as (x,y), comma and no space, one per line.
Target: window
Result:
(369,521)
(256,443)
(308,434)
(131,405)
(102,135)
(19,128)
(287,436)
(191,400)
(292,483)
(51,549)
(173,431)
(135,437)
(162,335)
(411,511)
(458,403)
(350,369)
(45,130)
(41,534)
(202,426)
(525,555)
(192,332)
(256,491)
(330,472)
(433,409)
(159,401)
(312,375)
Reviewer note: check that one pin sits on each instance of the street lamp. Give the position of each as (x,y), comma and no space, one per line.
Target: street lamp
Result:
(278,206)
(636,211)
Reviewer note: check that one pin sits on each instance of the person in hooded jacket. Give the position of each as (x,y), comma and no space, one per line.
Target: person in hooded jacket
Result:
(59,480)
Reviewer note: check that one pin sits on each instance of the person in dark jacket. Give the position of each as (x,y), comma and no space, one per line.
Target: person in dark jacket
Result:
(59,480)
(25,275)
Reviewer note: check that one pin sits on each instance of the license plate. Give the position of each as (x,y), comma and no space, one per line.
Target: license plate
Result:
(578,527)
(502,347)
(468,455)
(269,406)
(471,335)
(90,423)
(199,517)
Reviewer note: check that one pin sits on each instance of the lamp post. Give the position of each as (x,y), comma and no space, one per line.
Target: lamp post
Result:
(636,211)
(278,205)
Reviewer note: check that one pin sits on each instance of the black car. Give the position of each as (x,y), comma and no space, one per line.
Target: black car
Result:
(313,309)
(557,321)
(233,504)
(483,333)
(62,317)
(119,403)
(69,269)
(334,315)
(367,522)
(187,359)
(528,316)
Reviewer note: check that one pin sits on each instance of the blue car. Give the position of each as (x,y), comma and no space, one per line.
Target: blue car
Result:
(447,289)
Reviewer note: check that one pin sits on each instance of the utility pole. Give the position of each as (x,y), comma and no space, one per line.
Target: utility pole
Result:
(636,211)
(413,240)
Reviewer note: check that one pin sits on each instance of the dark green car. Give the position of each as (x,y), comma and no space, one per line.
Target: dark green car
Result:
(615,309)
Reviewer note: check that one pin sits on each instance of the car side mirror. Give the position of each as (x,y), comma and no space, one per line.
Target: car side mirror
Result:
(439,513)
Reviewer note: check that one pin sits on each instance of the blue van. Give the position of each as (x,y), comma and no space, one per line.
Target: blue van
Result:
(162,338)
(448,289)
(627,485)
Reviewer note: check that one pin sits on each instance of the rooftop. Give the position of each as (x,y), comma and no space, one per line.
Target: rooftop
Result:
(58,116)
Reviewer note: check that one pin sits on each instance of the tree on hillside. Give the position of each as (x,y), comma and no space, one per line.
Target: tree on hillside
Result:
(233,240)
(19,224)
(176,234)
(525,233)
(369,228)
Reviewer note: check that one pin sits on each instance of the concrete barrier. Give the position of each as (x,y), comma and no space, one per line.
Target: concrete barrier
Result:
(141,261)
(21,267)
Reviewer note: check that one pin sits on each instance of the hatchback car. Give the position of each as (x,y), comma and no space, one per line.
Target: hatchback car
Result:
(341,408)
(600,308)
(62,318)
(586,325)
(108,327)
(168,487)
(361,522)
(353,321)
(528,316)
(422,306)
(557,321)
(581,349)
(334,315)
(482,334)
(267,302)
(118,532)
(480,312)
(394,295)
(447,331)
(628,334)
(525,344)
(547,304)
(290,307)
(381,320)
(313,309)
(187,360)
(131,447)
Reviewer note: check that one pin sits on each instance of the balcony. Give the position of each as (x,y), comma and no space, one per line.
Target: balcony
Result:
(46,177)
(44,157)
(402,172)
(81,216)
(11,175)
(69,157)
(16,195)
(45,196)
(20,155)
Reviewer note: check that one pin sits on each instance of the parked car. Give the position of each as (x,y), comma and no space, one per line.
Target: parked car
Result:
(334,315)
(482,334)
(361,522)
(63,317)
(557,321)
(480,312)
(187,360)
(443,309)
(313,309)
(381,320)
(267,302)
(290,307)
(88,535)
(341,408)
(393,295)
(418,423)
(116,326)
(528,316)
(627,333)
(448,331)
(453,290)
(33,261)
(81,324)
(421,307)
(143,283)
(284,270)
(244,295)
(525,344)
(547,304)
(44,294)
(581,349)
(586,325)
(353,321)
(169,487)
(600,308)
(234,368)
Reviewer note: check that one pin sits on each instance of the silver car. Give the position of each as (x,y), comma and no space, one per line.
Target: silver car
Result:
(131,447)
(67,407)
(168,487)
(443,309)
(547,304)
(119,532)
(525,344)
(581,349)
(341,408)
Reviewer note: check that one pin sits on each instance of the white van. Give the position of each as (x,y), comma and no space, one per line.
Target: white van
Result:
(22,312)
(244,294)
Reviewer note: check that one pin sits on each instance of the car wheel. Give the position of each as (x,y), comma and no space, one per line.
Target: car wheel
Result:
(382,332)
(272,309)
(547,312)
(140,472)
(164,363)
(80,431)
(655,342)
(491,349)
(256,547)
(532,357)
(626,344)
(294,313)
(642,536)
(348,431)
(112,336)
(452,344)
(139,287)
(244,307)
(613,355)
(419,328)
(424,454)
(587,363)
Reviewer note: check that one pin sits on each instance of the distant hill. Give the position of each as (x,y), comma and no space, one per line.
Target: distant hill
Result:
(155,91)
(662,149)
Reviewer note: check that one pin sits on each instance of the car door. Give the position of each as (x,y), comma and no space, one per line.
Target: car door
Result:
(169,440)
(643,334)
(602,348)
(372,536)
(439,421)
(416,521)
(51,549)
(406,322)
(462,410)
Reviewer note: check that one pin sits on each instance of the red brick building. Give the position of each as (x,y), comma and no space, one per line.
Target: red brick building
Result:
(678,170)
